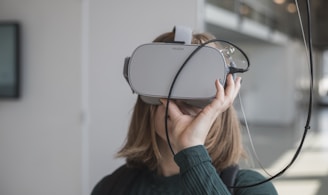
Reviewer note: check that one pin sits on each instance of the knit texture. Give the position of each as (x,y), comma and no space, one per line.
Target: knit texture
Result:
(197,177)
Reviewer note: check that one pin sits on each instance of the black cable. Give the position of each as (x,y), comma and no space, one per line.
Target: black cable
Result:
(307,125)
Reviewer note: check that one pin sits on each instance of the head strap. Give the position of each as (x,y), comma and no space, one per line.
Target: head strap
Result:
(182,34)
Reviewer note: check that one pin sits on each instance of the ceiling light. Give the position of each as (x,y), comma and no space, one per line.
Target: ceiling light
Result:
(244,10)
(279,1)
(291,8)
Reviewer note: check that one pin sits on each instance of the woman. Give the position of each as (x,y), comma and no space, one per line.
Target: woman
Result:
(206,142)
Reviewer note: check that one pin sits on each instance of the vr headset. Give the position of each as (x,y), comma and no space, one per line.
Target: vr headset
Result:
(181,70)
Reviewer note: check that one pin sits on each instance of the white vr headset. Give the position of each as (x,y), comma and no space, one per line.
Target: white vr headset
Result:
(155,71)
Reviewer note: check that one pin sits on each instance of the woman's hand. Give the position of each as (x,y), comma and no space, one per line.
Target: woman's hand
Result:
(186,130)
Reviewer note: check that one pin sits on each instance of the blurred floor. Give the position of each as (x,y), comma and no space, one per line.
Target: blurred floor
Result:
(275,147)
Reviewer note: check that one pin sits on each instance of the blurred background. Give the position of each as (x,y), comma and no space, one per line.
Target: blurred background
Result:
(61,134)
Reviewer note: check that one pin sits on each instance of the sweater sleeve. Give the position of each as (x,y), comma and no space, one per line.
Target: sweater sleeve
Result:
(197,173)
(199,176)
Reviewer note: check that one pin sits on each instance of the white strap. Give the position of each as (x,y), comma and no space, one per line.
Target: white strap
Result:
(182,34)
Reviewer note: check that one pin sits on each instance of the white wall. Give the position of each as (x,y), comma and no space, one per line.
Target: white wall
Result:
(40,136)
(116,29)
(269,89)
(61,136)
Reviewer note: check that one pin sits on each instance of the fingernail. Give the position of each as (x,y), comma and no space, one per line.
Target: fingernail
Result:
(162,101)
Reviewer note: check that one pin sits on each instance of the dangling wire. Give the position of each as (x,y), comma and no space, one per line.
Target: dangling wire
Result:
(308,48)
(250,137)
(307,125)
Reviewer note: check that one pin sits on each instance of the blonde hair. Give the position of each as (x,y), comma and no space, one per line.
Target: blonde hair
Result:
(223,141)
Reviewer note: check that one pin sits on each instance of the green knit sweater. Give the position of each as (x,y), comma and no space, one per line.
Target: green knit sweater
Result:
(197,177)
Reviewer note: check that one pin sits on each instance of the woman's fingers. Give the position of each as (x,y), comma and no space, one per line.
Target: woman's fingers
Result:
(232,86)
(224,96)
(188,130)
(237,86)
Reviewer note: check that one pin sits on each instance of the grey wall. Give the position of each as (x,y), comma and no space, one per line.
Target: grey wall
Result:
(114,35)
(271,88)
(62,135)
(40,136)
